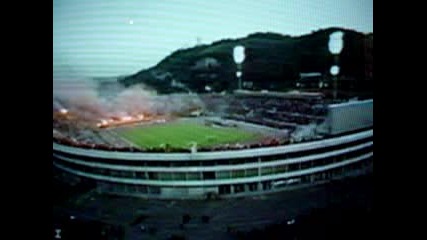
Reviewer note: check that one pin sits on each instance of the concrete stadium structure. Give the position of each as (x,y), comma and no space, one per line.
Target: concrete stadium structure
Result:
(230,173)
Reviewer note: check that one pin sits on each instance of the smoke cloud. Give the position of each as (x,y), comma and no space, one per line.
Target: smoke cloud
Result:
(92,100)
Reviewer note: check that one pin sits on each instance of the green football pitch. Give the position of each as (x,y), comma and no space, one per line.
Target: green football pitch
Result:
(184,134)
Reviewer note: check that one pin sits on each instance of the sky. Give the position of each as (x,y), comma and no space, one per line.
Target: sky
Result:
(102,38)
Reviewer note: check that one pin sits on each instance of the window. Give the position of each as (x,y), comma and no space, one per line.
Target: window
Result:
(317,176)
(208,175)
(251,160)
(100,171)
(153,190)
(223,175)
(179,176)
(329,160)
(305,165)
(114,173)
(317,162)
(281,169)
(152,176)
(141,189)
(179,164)
(224,189)
(305,179)
(252,172)
(208,163)
(140,175)
(293,167)
(253,187)
(237,161)
(329,174)
(239,188)
(165,176)
(266,185)
(238,173)
(126,174)
(336,172)
(266,171)
(131,188)
(193,176)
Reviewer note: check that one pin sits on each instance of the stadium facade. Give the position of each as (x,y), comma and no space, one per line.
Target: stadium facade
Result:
(346,148)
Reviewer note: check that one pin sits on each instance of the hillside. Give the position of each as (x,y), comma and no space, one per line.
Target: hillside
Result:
(273,61)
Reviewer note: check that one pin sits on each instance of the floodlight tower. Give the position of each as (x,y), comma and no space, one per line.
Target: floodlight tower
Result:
(239,57)
(336,44)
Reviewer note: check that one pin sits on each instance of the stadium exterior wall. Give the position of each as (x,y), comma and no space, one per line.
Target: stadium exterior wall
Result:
(348,116)
(224,173)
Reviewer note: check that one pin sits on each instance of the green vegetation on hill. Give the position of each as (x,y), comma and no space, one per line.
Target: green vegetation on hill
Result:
(273,61)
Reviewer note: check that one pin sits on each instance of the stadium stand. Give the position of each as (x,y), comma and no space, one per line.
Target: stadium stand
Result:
(286,112)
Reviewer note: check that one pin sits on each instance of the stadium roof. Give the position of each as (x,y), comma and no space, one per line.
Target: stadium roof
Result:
(292,94)
(312,74)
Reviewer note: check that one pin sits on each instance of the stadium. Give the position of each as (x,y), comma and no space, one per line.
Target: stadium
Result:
(214,145)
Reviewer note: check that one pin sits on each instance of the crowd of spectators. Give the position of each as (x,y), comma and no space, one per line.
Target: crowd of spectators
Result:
(275,112)
(278,113)
(269,142)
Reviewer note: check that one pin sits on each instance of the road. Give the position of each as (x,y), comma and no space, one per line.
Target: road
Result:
(162,219)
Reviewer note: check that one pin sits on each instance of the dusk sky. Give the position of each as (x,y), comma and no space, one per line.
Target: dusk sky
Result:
(112,37)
